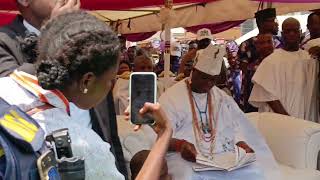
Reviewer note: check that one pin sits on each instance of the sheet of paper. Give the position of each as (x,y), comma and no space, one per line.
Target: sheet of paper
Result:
(228,161)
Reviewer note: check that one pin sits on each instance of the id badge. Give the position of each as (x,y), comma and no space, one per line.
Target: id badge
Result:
(47,166)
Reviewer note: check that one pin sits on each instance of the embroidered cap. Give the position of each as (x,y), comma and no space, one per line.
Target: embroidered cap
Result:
(204,33)
(210,59)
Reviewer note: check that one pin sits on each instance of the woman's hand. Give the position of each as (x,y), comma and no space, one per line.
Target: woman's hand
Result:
(161,124)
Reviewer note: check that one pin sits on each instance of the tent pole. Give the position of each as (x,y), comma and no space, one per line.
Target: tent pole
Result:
(167,38)
(167,55)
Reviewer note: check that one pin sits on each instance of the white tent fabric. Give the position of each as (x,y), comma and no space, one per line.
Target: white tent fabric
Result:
(148,20)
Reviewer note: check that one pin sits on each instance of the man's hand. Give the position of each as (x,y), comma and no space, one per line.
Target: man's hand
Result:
(188,152)
(277,107)
(63,6)
(245,146)
(315,52)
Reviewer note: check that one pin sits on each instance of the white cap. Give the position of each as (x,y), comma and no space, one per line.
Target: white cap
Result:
(204,33)
(175,49)
(210,59)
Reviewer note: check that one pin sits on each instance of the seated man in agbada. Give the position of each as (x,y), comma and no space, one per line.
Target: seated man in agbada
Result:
(207,122)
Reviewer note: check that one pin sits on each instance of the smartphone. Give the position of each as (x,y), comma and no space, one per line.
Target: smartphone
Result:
(143,88)
(47,166)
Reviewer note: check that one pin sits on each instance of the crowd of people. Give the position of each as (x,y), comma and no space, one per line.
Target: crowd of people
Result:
(67,69)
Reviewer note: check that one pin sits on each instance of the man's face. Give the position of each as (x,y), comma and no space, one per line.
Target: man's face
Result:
(271,25)
(131,53)
(291,34)
(264,45)
(193,46)
(188,68)
(203,43)
(143,65)
(202,82)
(314,26)
(42,8)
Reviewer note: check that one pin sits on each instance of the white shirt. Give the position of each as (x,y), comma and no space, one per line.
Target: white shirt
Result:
(289,77)
(30,28)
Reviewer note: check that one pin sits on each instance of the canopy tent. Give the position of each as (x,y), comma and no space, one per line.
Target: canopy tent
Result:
(110,4)
(140,16)
(195,14)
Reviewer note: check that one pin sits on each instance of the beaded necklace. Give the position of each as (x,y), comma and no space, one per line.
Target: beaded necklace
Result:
(205,133)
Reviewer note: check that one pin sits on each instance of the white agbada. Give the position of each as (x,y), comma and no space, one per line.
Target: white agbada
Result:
(99,161)
(289,77)
(229,123)
(232,125)
(311,43)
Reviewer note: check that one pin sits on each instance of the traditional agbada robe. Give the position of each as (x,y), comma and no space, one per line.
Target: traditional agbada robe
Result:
(289,77)
(230,125)
(214,123)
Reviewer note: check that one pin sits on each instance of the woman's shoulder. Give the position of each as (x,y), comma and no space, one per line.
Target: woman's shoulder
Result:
(14,94)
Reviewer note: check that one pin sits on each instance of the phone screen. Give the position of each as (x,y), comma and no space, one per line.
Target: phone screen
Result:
(142,91)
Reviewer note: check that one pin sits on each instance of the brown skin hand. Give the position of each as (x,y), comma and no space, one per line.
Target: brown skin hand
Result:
(245,146)
(277,107)
(188,150)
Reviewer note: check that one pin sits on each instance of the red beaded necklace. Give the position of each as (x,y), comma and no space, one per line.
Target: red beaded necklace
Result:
(197,130)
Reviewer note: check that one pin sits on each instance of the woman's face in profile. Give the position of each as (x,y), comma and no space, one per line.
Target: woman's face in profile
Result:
(98,89)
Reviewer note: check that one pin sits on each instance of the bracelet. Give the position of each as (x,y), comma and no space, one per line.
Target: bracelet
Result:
(179,144)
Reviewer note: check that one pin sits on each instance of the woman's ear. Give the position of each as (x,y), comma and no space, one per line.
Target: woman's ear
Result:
(87,82)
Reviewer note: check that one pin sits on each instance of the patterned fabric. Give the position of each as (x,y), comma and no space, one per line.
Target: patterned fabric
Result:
(248,55)
(234,73)
(99,161)
(247,52)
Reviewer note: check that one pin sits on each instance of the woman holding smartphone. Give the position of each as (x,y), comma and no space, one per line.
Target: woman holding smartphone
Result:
(78,59)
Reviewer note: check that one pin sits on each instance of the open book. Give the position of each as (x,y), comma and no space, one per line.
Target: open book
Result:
(228,161)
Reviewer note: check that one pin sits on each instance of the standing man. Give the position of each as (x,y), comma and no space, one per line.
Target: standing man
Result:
(284,82)
(264,46)
(314,29)
(266,22)
(312,26)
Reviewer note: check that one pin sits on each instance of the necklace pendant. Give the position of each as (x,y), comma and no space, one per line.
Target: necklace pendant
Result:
(206,129)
